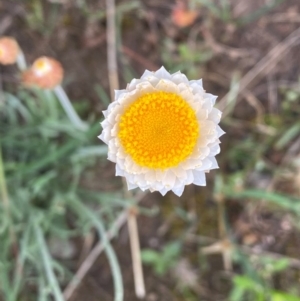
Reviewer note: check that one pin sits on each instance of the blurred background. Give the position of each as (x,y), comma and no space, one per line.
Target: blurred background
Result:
(236,239)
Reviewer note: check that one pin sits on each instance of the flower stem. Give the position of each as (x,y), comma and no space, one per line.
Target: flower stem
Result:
(66,104)
(47,263)
(3,187)
(21,62)
(111,255)
(52,104)
(20,264)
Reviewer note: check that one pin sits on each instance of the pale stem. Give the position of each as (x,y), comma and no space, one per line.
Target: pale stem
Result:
(111,47)
(21,62)
(71,113)
(136,254)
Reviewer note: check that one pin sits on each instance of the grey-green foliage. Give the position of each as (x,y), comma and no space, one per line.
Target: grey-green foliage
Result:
(44,160)
(165,259)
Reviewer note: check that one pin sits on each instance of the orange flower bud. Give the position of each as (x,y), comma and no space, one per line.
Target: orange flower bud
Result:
(183,17)
(9,50)
(45,73)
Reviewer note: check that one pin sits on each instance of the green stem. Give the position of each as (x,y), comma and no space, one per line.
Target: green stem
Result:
(20,264)
(66,104)
(47,263)
(21,62)
(111,255)
(3,186)
(51,101)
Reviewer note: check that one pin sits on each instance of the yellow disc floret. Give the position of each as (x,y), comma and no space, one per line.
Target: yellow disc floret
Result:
(159,130)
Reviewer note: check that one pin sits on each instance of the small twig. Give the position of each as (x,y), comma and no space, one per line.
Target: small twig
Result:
(138,275)
(112,47)
(294,262)
(263,66)
(136,253)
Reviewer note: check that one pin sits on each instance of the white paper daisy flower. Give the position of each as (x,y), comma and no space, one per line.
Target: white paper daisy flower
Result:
(162,132)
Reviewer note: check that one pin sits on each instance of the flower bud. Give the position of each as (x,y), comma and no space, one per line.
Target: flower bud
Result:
(9,50)
(182,17)
(45,73)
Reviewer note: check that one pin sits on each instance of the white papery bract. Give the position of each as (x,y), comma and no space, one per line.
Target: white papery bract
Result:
(124,124)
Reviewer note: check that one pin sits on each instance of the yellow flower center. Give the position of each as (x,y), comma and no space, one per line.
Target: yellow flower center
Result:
(41,67)
(159,130)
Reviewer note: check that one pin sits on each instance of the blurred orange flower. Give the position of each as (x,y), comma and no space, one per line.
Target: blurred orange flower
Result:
(9,50)
(45,73)
(183,17)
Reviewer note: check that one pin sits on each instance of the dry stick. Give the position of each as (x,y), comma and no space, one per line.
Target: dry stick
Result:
(112,47)
(135,253)
(294,262)
(114,85)
(264,65)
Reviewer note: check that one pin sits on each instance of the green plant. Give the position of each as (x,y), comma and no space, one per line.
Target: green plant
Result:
(164,260)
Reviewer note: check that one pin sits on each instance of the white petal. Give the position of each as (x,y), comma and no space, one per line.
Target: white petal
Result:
(214,163)
(111,157)
(201,114)
(220,132)
(206,164)
(179,78)
(167,86)
(187,95)
(214,150)
(119,171)
(105,136)
(190,177)
(199,178)
(163,191)
(178,190)
(131,185)
(105,113)
(150,176)
(207,104)
(115,130)
(132,85)
(198,82)
(146,74)
(212,98)
(118,93)
(208,127)
(196,106)
(215,115)
(162,73)
(179,172)
(169,179)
